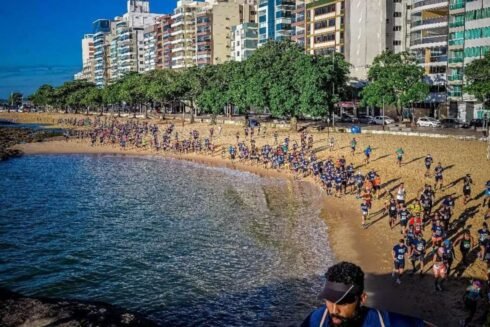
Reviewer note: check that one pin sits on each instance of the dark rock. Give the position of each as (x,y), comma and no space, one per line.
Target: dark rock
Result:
(17,310)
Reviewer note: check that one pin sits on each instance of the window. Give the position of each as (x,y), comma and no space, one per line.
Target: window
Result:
(397,14)
(397,28)
(397,42)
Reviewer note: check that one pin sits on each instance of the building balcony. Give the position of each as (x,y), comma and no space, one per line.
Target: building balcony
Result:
(456,60)
(456,24)
(428,24)
(428,42)
(419,6)
(457,5)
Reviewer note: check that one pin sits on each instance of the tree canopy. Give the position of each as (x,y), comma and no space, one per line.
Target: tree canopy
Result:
(395,79)
(477,75)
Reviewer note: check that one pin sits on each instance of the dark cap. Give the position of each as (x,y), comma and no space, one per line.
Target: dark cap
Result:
(340,293)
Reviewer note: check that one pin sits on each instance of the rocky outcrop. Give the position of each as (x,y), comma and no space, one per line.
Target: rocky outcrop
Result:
(10,136)
(18,310)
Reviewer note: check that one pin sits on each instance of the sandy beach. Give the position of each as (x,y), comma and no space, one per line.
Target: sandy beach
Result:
(370,248)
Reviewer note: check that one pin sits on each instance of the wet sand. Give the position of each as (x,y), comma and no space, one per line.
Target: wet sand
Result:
(369,248)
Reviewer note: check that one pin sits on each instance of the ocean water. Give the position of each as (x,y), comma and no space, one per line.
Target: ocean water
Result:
(182,243)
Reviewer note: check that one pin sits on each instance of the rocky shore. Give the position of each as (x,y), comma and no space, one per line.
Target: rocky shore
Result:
(10,136)
(18,310)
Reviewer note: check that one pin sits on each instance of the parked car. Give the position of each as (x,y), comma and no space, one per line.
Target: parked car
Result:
(363,119)
(378,120)
(428,122)
(477,122)
(346,118)
(453,123)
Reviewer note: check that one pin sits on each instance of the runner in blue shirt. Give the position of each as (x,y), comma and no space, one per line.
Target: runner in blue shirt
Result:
(399,252)
(417,253)
(365,212)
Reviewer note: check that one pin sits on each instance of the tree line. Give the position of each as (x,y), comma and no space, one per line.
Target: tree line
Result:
(278,79)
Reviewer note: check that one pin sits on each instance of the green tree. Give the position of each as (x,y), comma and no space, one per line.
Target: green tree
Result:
(92,98)
(395,79)
(70,94)
(477,75)
(44,96)
(132,90)
(163,87)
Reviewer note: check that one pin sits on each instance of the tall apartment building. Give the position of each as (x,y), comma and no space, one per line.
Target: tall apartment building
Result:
(429,44)
(101,30)
(184,33)
(372,27)
(325,26)
(204,34)
(164,42)
(469,39)
(299,23)
(149,46)
(244,41)
(88,64)
(275,20)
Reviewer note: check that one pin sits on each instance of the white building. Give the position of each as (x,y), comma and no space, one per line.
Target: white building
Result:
(244,41)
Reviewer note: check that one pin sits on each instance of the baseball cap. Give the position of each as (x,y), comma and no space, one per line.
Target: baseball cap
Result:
(340,293)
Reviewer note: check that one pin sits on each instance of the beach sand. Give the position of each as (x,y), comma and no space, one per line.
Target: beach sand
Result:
(370,248)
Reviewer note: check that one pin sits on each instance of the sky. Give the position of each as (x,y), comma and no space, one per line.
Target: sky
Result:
(41,39)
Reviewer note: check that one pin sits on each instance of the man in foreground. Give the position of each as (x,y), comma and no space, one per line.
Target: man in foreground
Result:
(344,299)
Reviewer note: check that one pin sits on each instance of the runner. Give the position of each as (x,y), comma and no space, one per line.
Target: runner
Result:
(438,176)
(486,198)
(417,253)
(399,156)
(353,145)
(439,268)
(471,296)
(367,153)
(391,207)
(466,243)
(483,234)
(399,252)
(417,223)
(401,194)
(365,213)
(428,162)
(448,255)
(403,213)
(467,188)
(331,144)
(438,234)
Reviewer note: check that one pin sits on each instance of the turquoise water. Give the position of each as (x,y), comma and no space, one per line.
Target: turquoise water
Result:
(184,244)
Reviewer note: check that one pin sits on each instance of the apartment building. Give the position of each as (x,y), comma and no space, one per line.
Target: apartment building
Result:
(149,46)
(204,36)
(101,31)
(299,23)
(325,27)
(275,18)
(163,41)
(244,41)
(88,64)
(468,39)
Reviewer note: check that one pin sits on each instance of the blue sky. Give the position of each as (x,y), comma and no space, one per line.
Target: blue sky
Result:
(41,39)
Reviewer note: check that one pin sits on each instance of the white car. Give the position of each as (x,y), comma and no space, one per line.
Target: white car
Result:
(428,122)
(378,120)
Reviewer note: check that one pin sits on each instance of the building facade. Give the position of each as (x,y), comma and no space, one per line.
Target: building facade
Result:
(244,41)
(325,27)
(469,39)
(88,63)
(149,46)
(275,18)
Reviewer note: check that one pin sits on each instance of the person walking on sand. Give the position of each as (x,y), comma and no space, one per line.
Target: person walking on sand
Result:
(391,208)
(483,236)
(471,296)
(399,156)
(399,252)
(417,253)
(331,144)
(401,193)
(344,303)
(428,162)
(486,198)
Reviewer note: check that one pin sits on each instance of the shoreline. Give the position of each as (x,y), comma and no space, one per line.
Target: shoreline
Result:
(340,216)
(368,248)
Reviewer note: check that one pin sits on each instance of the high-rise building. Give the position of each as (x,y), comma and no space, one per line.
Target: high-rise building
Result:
(101,30)
(184,33)
(275,20)
(204,35)
(244,41)
(469,39)
(299,23)
(428,43)
(88,51)
(149,46)
(164,42)
(372,27)
(325,22)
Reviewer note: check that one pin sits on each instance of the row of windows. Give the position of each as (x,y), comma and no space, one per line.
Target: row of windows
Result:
(476,51)
(477,33)
(478,14)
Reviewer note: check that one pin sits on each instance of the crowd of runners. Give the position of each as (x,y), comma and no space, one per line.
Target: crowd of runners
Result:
(449,237)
